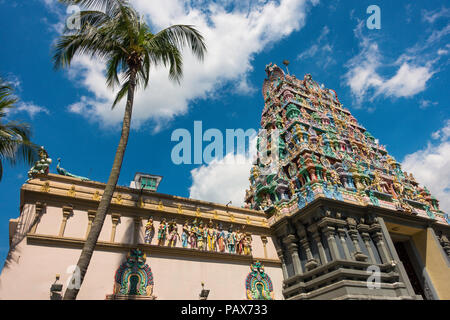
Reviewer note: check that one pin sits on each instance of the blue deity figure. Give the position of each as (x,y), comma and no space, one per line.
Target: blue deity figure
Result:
(231,240)
(185,235)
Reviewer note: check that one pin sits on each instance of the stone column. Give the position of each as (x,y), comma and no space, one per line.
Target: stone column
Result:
(316,237)
(292,247)
(283,263)
(311,263)
(91,216)
(353,233)
(137,228)
(40,209)
(67,211)
(445,243)
(341,232)
(377,236)
(115,217)
(363,229)
(329,231)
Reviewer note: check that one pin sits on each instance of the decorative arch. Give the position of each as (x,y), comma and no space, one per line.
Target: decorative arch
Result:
(134,276)
(258,284)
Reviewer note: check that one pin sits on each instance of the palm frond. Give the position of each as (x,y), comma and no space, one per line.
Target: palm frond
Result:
(181,35)
(122,92)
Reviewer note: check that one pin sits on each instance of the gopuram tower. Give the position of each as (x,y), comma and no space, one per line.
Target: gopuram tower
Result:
(347,222)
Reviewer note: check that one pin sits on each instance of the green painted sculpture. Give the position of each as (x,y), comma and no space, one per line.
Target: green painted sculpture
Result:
(64,172)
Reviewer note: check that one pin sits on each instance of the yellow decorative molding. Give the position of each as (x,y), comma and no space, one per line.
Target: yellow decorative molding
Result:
(160,206)
(198,213)
(96,196)
(215,215)
(45,187)
(180,209)
(247,220)
(141,202)
(232,217)
(71,191)
(118,199)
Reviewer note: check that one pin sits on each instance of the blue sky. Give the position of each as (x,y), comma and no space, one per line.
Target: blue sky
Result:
(394,80)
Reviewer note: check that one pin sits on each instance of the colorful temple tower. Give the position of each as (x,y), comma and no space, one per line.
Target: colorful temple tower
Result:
(340,207)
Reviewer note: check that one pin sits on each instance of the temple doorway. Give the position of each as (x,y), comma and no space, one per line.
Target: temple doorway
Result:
(408,262)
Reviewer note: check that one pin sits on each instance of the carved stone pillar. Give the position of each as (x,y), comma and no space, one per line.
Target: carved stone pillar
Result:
(311,263)
(329,231)
(292,247)
(40,209)
(316,237)
(91,216)
(353,233)
(363,229)
(445,243)
(377,236)
(283,263)
(137,228)
(115,217)
(341,233)
(67,212)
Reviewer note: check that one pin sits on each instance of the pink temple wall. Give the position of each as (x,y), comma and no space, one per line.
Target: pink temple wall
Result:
(30,268)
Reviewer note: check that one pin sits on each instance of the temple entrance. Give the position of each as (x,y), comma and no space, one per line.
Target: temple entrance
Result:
(407,260)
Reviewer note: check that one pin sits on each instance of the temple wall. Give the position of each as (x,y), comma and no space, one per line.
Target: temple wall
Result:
(434,261)
(32,269)
(48,236)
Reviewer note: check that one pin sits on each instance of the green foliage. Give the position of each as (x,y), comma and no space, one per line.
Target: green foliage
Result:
(15,144)
(114,32)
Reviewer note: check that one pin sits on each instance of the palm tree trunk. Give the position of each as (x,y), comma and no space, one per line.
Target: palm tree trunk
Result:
(91,241)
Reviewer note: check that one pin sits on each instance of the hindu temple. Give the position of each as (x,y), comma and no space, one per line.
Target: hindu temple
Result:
(329,214)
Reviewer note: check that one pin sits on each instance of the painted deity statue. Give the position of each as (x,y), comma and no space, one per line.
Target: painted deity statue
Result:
(162,232)
(149,231)
(220,236)
(173,233)
(231,240)
(239,241)
(200,237)
(41,166)
(185,235)
(247,244)
(193,235)
(211,237)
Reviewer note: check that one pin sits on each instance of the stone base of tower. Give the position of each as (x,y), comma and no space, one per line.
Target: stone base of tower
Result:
(331,249)
(346,280)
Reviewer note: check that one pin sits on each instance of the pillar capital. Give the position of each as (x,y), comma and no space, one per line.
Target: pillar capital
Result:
(91,214)
(115,217)
(67,211)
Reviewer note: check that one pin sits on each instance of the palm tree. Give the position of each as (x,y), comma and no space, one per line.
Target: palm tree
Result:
(15,136)
(114,32)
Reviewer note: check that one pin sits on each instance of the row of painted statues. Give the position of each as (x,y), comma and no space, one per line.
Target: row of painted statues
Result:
(200,236)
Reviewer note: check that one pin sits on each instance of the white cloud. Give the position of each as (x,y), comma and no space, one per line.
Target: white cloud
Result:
(432,16)
(225,179)
(426,103)
(431,166)
(364,79)
(234,32)
(30,108)
(320,48)
(444,133)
